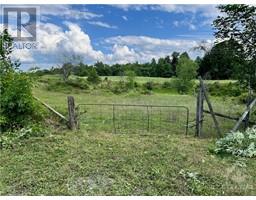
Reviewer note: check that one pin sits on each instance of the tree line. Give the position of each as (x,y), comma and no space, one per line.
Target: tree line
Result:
(221,62)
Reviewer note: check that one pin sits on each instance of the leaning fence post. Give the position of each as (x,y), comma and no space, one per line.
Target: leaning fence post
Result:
(72,123)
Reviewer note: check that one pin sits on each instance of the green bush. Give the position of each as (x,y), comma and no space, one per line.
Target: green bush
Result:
(224,89)
(149,85)
(93,76)
(78,83)
(120,87)
(183,86)
(186,72)
(238,143)
(18,106)
(167,85)
(130,77)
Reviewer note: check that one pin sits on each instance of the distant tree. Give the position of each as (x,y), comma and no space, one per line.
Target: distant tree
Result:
(174,62)
(130,75)
(67,63)
(164,68)
(184,55)
(80,69)
(93,76)
(186,71)
(66,69)
(239,24)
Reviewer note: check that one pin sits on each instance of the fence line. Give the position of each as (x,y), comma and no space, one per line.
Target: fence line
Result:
(134,117)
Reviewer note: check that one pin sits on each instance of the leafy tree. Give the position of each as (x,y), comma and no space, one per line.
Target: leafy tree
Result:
(239,24)
(186,71)
(68,63)
(80,69)
(17,106)
(131,75)
(221,61)
(93,76)
(174,62)
(184,55)
(66,70)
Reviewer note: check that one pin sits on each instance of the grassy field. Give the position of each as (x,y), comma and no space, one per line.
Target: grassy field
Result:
(142,79)
(102,163)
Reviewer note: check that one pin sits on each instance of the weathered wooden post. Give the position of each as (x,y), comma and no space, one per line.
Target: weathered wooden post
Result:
(210,106)
(72,121)
(199,111)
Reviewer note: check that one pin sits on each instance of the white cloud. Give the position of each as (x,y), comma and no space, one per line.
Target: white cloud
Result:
(145,48)
(208,11)
(125,18)
(102,24)
(54,40)
(67,12)
(127,7)
(122,54)
(187,23)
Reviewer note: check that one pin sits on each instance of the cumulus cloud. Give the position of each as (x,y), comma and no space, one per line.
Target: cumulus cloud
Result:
(54,40)
(122,54)
(145,48)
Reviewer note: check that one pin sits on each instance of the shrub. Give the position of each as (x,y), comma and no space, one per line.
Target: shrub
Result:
(93,76)
(224,89)
(238,143)
(17,106)
(16,100)
(149,85)
(183,86)
(167,85)
(120,87)
(130,76)
(78,83)
(186,71)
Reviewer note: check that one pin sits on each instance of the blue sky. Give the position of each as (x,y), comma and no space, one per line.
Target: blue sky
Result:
(118,33)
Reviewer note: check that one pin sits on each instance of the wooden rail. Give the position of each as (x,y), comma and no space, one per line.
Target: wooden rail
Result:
(51,109)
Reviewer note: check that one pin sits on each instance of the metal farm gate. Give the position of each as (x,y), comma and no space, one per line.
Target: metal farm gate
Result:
(142,119)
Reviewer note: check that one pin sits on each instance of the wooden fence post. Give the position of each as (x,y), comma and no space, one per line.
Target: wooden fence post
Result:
(199,111)
(72,121)
(210,107)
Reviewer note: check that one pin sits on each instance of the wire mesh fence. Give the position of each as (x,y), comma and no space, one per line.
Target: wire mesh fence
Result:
(142,119)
